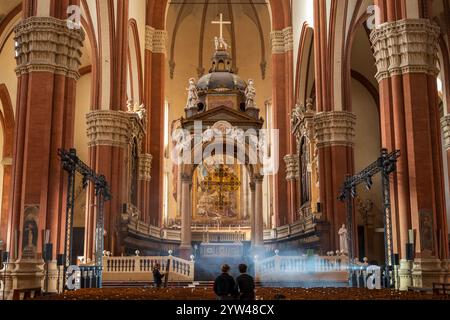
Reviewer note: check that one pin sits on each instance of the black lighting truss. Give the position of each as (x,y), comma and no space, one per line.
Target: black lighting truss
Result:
(385,164)
(72,164)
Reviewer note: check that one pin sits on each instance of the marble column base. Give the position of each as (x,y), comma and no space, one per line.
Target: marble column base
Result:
(52,282)
(22,274)
(425,272)
(405,275)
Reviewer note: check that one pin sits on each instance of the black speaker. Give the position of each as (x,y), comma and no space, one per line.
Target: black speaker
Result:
(410,251)
(5,256)
(60,260)
(319,207)
(48,252)
(396,259)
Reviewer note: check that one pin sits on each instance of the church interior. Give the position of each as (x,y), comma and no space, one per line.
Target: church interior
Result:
(308,139)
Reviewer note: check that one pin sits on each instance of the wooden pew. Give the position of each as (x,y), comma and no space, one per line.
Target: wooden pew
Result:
(441,288)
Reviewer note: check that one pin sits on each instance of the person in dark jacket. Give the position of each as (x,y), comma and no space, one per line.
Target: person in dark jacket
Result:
(157,276)
(224,286)
(245,284)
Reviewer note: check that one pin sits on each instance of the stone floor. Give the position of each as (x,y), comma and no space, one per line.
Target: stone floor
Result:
(261,293)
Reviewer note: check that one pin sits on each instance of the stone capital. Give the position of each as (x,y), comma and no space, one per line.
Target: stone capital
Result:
(145,167)
(282,41)
(405,46)
(445,124)
(46,44)
(292,167)
(335,128)
(113,128)
(155,40)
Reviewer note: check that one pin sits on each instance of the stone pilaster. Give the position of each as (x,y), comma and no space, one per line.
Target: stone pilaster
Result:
(335,128)
(46,44)
(445,124)
(405,46)
(282,40)
(145,167)
(155,40)
(292,167)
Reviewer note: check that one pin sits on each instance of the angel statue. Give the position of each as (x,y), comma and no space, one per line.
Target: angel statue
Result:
(192,94)
(250,94)
(221,44)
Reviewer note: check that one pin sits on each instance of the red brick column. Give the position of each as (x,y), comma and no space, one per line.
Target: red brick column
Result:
(48,57)
(335,132)
(406,54)
(282,99)
(155,64)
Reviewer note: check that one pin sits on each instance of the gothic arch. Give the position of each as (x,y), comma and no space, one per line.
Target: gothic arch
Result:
(135,63)
(305,57)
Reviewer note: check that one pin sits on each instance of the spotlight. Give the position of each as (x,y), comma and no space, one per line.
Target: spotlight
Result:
(369,183)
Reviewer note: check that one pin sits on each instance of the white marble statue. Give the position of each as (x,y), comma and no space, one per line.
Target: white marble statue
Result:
(220,44)
(192,94)
(343,239)
(250,94)
(136,108)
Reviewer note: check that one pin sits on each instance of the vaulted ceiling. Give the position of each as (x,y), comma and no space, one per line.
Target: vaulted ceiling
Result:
(6,6)
(249,18)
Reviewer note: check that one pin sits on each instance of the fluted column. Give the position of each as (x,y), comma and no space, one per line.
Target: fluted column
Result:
(186,234)
(259,220)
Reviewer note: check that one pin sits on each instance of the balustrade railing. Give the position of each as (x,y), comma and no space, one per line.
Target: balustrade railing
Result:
(301,264)
(140,268)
